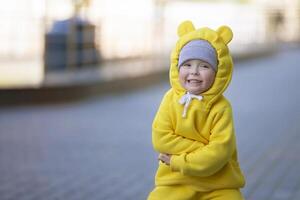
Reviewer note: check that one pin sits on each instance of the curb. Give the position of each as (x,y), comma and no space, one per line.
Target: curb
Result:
(77,92)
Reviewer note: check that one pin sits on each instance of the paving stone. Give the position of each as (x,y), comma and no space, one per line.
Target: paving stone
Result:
(100,148)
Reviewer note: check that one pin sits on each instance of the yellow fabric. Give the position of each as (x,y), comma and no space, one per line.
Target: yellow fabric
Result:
(203,146)
(182,192)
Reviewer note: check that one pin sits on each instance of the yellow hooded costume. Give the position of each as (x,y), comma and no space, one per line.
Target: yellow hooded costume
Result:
(202,144)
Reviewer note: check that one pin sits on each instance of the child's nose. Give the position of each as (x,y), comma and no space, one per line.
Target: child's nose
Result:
(195,69)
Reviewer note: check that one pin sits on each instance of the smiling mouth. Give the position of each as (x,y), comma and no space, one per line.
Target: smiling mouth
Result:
(194,81)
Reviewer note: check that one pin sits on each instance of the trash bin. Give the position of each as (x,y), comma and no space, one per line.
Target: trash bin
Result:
(70,44)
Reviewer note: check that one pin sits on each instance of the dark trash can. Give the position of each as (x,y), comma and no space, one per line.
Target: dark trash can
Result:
(70,44)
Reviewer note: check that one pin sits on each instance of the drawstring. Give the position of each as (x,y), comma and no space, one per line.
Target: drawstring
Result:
(186,100)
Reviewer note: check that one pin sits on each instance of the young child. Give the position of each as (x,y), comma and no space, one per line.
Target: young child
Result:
(193,129)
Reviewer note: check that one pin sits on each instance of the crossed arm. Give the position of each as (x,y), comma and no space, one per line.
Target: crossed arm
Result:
(191,157)
(164,139)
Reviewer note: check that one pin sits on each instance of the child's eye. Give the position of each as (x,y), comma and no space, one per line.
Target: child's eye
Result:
(186,65)
(204,67)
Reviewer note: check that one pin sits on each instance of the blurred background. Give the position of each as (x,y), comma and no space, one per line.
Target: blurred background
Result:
(42,36)
(107,63)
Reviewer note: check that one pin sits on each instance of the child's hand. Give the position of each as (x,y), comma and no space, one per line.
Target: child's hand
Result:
(165,158)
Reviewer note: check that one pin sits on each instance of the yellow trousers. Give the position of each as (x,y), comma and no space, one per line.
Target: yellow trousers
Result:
(181,192)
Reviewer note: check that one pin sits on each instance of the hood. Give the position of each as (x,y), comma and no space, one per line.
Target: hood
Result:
(219,40)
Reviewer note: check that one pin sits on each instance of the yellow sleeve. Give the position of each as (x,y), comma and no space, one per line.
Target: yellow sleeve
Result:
(164,139)
(211,158)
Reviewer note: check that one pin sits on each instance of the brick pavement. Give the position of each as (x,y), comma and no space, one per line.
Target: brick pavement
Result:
(92,150)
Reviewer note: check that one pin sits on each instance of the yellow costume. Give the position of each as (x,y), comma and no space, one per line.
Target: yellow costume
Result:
(204,162)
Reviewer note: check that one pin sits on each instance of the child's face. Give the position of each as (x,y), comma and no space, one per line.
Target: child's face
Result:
(196,76)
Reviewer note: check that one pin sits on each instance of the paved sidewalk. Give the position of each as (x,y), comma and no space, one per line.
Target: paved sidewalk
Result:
(100,148)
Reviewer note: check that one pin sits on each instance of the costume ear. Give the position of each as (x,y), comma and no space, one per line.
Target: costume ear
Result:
(225,33)
(185,27)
